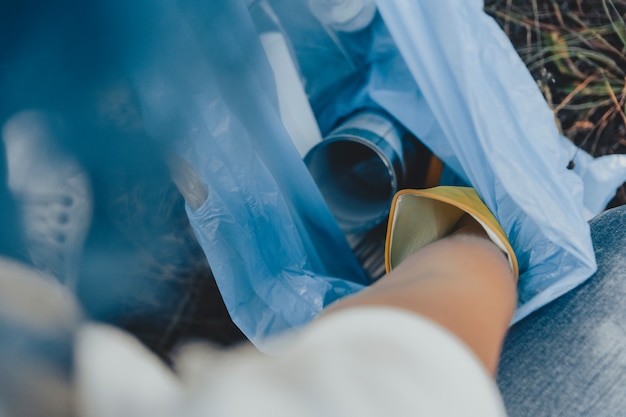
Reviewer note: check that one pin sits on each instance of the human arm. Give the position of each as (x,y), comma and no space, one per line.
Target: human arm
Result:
(462,282)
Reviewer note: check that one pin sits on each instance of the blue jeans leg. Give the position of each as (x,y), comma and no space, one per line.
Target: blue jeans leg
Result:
(569,358)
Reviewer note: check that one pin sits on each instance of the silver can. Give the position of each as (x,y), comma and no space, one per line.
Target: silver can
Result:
(358,167)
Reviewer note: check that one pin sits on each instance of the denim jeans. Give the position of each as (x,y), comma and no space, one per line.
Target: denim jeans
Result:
(569,358)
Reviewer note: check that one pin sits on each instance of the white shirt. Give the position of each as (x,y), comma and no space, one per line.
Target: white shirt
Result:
(368,361)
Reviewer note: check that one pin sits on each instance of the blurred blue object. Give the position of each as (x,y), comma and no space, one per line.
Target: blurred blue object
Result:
(277,253)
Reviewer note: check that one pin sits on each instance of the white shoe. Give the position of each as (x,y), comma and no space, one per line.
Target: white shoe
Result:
(52,192)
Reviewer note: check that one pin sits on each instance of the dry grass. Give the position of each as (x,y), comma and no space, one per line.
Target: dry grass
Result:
(575,50)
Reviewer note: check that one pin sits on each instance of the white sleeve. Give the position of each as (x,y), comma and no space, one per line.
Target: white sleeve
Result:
(370,361)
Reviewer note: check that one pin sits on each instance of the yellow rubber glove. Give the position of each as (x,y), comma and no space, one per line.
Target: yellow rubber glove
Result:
(419,217)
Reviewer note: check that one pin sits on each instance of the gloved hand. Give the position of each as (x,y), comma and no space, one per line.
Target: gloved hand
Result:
(419,217)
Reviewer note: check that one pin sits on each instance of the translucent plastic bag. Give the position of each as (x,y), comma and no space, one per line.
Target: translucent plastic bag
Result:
(444,69)
(277,254)
(490,123)
(448,73)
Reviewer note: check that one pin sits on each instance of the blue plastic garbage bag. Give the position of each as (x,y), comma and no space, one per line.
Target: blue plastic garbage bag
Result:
(449,74)
(487,119)
(277,253)
(601,177)
(444,69)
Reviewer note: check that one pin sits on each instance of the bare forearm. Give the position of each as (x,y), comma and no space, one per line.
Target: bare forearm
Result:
(462,282)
